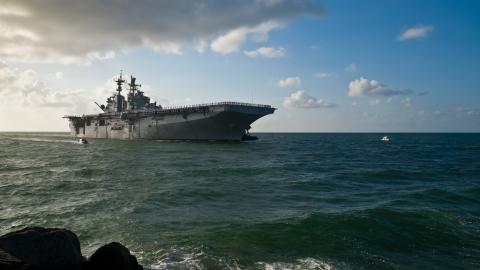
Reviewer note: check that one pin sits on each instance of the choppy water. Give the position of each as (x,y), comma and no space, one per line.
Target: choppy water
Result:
(286,201)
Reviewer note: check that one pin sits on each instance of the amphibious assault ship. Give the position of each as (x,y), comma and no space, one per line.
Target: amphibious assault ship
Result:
(137,118)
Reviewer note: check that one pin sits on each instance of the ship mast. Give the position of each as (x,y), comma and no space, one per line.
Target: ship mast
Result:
(119,82)
(133,86)
(119,98)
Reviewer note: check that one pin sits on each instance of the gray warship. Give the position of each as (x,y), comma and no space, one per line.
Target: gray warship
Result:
(137,118)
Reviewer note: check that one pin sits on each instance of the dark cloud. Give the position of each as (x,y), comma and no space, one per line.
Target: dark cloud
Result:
(71,30)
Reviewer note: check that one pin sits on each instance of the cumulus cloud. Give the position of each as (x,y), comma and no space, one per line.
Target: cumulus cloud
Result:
(289,82)
(60,31)
(300,99)
(24,87)
(59,75)
(266,52)
(233,40)
(365,87)
(229,42)
(417,32)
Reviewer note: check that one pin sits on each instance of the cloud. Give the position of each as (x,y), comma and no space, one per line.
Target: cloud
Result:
(365,87)
(351,68)
(59,75)
(323,75)
(289,82)
(25,88)
(229,42)
(266,52)
(417,32)
(201,46)
(300,99)
(53,31)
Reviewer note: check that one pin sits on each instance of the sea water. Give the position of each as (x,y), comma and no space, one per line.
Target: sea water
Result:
(285,201)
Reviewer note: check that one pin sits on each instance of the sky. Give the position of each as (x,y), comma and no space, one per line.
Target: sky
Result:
(328,66)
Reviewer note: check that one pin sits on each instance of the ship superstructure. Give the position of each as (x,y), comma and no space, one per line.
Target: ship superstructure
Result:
(137,118)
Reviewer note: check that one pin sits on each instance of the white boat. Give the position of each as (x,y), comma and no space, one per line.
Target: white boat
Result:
(82,141)
(385,139)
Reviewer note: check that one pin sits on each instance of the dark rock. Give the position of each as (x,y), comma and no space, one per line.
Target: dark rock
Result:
(9,262)
(113,256)
(42,248)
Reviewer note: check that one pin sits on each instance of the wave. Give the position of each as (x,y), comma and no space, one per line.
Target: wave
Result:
(200,260)
(436,198)
(43,140)
(300,264)
(380,238)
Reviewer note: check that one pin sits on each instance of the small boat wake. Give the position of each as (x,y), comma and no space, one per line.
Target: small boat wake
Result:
(82,141)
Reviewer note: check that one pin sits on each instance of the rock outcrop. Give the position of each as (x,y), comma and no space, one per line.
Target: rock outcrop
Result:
(38,248)
(9,262)
(43,248)
(113,256)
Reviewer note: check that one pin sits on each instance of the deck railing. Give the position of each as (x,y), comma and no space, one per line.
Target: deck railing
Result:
(216,104)
(183,108)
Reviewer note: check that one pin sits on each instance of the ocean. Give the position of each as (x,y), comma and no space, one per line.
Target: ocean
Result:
(285,201)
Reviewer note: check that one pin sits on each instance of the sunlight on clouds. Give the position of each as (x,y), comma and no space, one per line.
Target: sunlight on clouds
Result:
(300,99)
(230,42)
(233,40)
(51,31)
(25,88)
(289,82)
(417,32)
(12,9)
(365,87)
(59,75)
(266,52)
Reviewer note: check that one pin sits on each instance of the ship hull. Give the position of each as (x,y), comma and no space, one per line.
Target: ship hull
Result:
(225,123)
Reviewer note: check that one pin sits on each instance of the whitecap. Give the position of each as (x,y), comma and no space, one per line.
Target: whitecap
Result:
(300,264)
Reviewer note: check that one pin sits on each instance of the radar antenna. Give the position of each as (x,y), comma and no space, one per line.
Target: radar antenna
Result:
(119,82)
(133,85)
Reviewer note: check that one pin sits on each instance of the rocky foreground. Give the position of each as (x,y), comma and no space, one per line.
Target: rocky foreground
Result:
(38,248)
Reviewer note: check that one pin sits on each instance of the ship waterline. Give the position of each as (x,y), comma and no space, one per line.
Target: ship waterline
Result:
(137,118)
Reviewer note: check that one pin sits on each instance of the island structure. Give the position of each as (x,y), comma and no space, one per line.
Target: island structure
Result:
(137,118)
